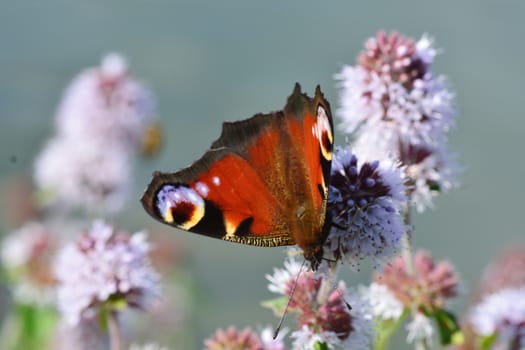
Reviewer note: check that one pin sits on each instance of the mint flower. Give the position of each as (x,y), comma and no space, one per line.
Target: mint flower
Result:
(323,315)
(247,339)
(392,104)
(363,204)
(101,267)
(502,315)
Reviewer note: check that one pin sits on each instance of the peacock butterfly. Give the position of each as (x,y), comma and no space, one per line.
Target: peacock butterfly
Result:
(263,182)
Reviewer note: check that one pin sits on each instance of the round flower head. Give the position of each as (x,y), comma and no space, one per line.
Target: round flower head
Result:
(247,339)
(77,175)
(393,105)
(107,107)
(104,266)
(428,287)
(502,314)
(26,256)
(506,271)
(363,203)
(323,315)
(383,303)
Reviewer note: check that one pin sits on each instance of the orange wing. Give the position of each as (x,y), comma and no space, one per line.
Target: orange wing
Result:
(259,180)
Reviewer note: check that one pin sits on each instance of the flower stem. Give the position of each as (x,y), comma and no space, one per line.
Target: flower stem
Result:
(115,334)
(407,241)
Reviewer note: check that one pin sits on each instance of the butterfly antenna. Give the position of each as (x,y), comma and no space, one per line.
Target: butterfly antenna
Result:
(278,329)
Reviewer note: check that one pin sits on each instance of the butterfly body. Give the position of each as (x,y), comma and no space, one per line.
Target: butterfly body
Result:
(263,182)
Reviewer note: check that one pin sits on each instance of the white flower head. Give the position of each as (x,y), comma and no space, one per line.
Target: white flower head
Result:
(78,175)
(420,329)
(148,346)
(279,281)
(363,204)
(383,303)
(100,265)
(106,106)
(26,256)
(391,102)
(501,314)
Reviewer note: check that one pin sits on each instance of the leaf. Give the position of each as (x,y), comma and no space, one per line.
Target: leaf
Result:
(448,327)
(320,346)
(384,330)
(277,305)
(488,341)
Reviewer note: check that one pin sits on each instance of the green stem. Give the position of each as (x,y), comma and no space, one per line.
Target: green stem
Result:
(407,241)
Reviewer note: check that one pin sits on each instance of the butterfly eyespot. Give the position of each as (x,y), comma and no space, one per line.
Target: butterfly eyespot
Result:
(323,132)
(180,205)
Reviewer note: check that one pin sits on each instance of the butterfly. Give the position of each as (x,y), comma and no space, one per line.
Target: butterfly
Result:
(263,182)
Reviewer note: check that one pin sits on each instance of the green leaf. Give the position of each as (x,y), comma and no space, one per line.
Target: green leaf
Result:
(448,327)
(320,346)
(385,329)
(487,342)
(277,305)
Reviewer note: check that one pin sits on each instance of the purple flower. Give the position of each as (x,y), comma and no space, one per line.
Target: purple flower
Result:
(104,266)
(363,204)
(502,315)
(247,339)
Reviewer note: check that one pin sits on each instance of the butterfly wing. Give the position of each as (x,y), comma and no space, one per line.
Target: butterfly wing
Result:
(256,178)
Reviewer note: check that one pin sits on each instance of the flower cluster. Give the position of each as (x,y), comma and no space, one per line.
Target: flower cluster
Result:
(335,317)
(105,117)
(502,314)
(246,339)
(395,107)
(428,287)
(363,204)
(424,290)
(104,266)
(26,256)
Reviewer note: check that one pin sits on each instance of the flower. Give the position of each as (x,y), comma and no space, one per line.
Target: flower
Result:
(502,314)
(323,315)
(391,103)
(507,270)
(420,329)
(104,266)
(429,286)
(105,118)
(363,203)
(26,255)
(383,303)
(107,107)
(232,339)
(76,175)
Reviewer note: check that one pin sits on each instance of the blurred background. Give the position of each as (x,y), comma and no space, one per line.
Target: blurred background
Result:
(207,62)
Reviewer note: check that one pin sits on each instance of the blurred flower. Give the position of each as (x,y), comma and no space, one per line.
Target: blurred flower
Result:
(77,175)
(26,257)
(392,103)
(103,267)
(363,203)
(502,314)
(107,107)
(420,329)
(383,303)
(247,339)
(506,271)
(324,316)
(428,287)
(105,118)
